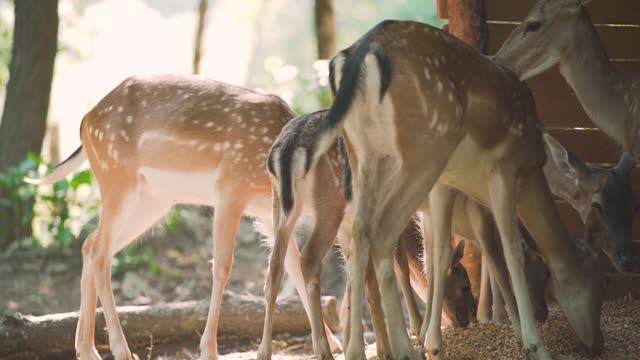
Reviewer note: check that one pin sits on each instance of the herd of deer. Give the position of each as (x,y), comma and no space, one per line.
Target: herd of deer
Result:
(426,137)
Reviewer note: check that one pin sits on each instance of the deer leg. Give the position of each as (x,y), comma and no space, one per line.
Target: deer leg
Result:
(85,330)
(441,203)
(415,320)
(357,264)
(427,260)
(118,228)
(503,194)
(328,222)
(488,239)
(498,310)
(345,314)
(283,226)
(383,347)
(226,218)
(484,303)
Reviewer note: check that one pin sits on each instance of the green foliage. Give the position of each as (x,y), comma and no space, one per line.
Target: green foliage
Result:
(52,216)
(17,197)
(134,258)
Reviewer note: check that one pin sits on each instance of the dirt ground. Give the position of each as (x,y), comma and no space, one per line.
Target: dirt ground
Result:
(36,281)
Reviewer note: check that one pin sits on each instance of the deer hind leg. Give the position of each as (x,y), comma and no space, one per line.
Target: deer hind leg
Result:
(85,330)
(284,226)
(123,219)
(503,194)
(441,201)
(226,218)
(383,347)
(328,220)
(415,320)
(485,298)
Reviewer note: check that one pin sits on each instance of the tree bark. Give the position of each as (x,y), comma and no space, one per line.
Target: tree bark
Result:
(468,22)
(197,55)
(242,317)
(325,28)
(24,119)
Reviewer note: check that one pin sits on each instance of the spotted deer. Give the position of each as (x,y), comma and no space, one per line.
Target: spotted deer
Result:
(560,32)
(606,203)
(417,106)
(156,141)
(322,194)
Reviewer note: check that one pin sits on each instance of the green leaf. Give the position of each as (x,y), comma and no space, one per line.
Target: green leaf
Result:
(83,177)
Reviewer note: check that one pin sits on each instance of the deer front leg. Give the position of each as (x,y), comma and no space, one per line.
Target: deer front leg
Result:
(226,218)
(503,192)
(484,302)
(427,260)
(498,313)
(441,200)
(415,320)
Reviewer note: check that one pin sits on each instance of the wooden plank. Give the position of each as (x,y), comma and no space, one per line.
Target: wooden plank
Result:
(561,110)
(552,82)
(601,12)
(590,146)
(620,42)
(443,13)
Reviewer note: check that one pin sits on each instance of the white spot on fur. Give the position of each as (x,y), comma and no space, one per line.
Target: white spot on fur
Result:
(202,146)
(143,103)
(209,124)
(427,73)
(237,145)
(217,147)
(129,119)
(120,108)
(196,122)
(434,119)
(440,87)
(124,135)
(226,145)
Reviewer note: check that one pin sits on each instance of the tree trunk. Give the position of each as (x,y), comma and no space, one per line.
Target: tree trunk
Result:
(242,317)
(325,28)
(197,56)
(24,120)
(468,22)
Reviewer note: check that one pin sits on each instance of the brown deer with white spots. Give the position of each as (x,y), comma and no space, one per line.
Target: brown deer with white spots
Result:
(157,141)
(560,32)
(417,106)
(322,194)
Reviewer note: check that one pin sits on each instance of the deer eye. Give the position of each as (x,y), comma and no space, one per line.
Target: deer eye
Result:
(533,26)
(598,207)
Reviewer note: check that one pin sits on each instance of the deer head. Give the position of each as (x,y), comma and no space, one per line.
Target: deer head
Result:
(602,196)
(459,304)
(539,41)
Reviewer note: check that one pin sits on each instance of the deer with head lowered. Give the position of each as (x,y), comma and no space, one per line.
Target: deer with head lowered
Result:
(560,32)
(417,106)
(605,201)
(322,193)
(156,141)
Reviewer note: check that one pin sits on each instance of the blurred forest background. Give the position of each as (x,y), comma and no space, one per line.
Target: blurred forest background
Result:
(52,72)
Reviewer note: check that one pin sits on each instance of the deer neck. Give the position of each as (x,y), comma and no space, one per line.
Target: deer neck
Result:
(598,85)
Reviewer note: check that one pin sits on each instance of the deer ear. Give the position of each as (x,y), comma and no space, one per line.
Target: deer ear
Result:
(458,253)
(563,160)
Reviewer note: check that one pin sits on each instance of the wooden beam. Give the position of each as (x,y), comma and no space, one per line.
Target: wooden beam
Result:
(467,21)
(442,10)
